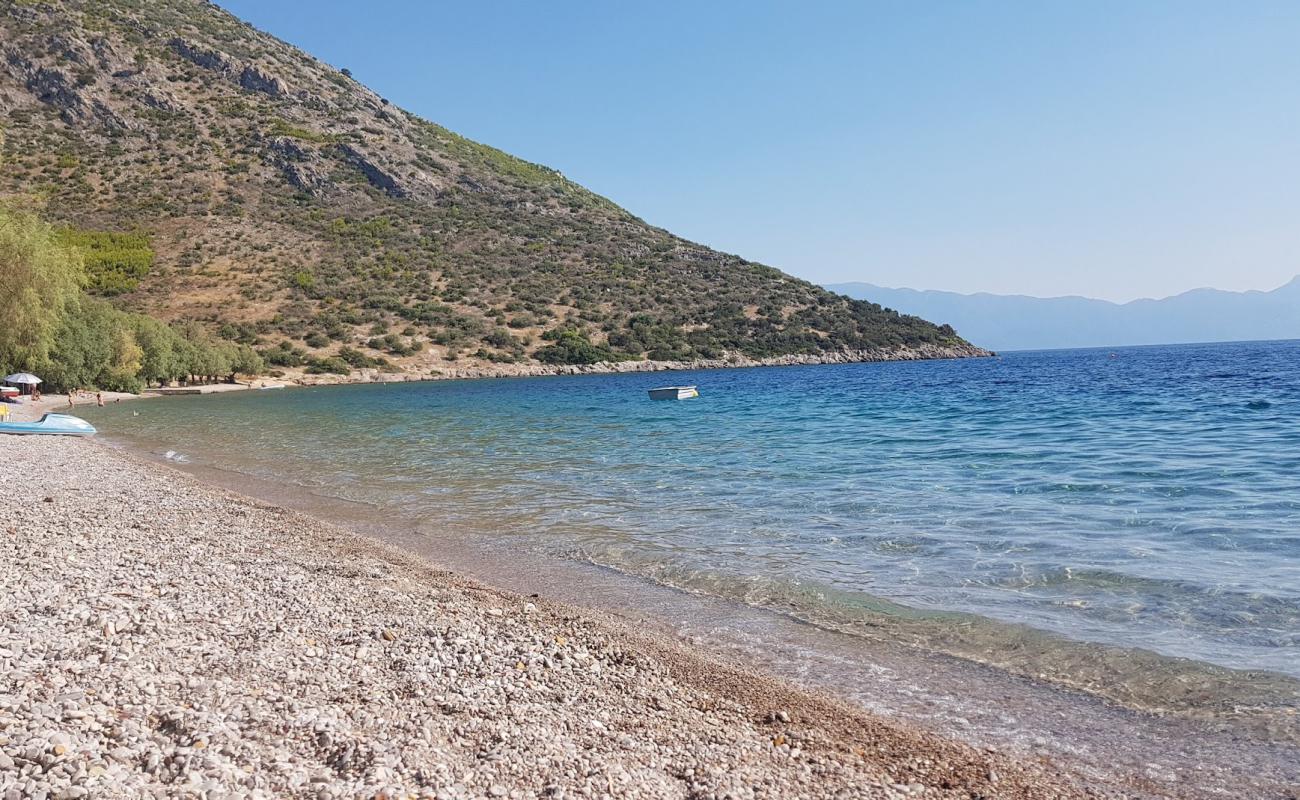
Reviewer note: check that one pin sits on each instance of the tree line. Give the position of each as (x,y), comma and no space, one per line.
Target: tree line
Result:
(50,326)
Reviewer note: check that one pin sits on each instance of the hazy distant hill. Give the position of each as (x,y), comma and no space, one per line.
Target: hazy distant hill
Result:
(281,202)
(1016,322)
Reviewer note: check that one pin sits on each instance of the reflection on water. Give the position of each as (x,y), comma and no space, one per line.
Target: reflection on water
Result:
(1150,500)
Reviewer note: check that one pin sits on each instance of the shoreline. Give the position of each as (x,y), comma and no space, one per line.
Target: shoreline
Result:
(57,402)
(1126,749)
(177,608)
(446,371)
(29,411)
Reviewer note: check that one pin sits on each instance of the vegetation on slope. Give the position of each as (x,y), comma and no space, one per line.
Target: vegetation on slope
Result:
(281,200)
(50,327)
(115,262)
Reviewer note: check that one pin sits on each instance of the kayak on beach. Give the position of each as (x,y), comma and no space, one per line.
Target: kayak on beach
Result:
(55,424)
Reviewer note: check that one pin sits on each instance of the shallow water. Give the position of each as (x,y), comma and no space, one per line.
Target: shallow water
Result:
(1146,499)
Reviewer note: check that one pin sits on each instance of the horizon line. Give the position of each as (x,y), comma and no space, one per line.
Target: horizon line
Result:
(1293,279)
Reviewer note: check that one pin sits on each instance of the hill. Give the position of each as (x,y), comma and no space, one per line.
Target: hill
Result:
(1016,322)
(220,175)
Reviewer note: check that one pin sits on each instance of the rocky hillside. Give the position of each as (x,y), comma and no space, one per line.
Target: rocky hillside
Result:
(253,188)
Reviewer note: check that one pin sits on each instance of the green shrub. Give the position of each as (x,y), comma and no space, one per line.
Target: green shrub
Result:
(355,358)
(115,262)
(569,346)
(282,128)
(285,355)
(332,365)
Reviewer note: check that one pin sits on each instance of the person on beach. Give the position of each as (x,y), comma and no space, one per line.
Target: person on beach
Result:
(70,403)
(99,399)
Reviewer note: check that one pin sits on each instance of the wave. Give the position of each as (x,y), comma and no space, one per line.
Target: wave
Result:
(1134,677)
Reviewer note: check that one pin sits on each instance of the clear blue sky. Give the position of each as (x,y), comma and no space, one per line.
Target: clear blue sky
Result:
(1109,148)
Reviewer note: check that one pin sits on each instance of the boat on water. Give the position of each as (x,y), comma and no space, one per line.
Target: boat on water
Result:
(52,424)
(674,393)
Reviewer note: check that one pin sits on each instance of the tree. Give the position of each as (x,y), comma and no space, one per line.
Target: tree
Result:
(40,283)
(122,372)
(162,351)
(246,361)
(207,359)
(95,346)
(83,348)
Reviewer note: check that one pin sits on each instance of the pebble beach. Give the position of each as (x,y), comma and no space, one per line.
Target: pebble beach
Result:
(162,638)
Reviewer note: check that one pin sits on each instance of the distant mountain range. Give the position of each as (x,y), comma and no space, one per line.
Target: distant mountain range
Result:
(1017,322)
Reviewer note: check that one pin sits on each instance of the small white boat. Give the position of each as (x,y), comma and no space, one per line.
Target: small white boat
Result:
(58,424)
(674,393)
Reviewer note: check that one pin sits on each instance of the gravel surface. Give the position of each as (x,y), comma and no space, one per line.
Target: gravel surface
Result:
(161,638)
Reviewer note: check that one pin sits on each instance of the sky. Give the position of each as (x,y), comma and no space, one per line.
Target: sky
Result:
(1109,149)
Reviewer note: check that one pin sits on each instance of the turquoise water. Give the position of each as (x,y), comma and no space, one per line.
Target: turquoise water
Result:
(1148,498)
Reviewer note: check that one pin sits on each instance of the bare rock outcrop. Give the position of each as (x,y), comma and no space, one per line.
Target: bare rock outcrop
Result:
(255,79)
(55,87)
(161,100)
(208,59)
(470,185)
(302,168)
(249,76)
(378,177)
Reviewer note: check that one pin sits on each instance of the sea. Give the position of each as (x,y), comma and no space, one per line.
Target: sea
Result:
(1085,517)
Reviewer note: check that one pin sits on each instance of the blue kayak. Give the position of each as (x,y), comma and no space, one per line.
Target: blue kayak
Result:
(56,424)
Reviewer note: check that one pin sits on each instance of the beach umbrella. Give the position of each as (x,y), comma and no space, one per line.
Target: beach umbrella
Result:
(23,377)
